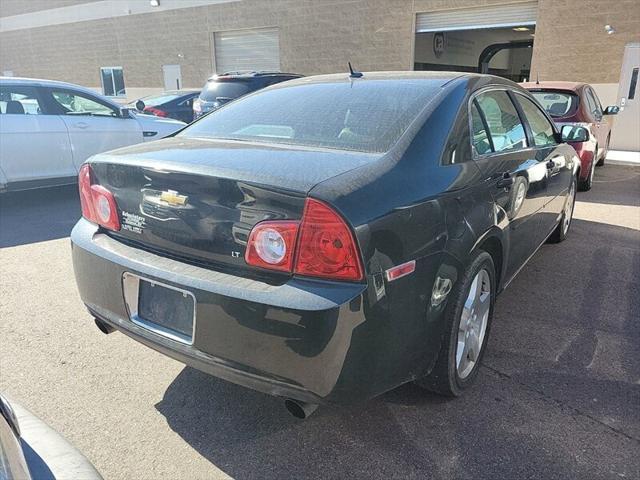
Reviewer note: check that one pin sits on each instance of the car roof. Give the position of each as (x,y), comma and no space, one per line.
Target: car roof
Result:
(443,78)
(252,74)
(553,85)
(39,82)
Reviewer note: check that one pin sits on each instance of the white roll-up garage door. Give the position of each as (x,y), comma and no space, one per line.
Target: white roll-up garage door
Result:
(251,49)
(494,16)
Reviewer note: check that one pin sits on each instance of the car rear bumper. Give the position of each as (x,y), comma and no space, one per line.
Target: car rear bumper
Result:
(290,340)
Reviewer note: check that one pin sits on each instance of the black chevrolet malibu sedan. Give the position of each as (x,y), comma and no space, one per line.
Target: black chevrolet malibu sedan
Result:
(327,239)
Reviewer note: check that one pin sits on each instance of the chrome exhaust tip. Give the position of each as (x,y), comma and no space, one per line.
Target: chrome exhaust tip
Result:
(299,409)
(104,327)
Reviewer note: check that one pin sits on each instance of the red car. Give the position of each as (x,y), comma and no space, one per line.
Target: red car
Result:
(577,103)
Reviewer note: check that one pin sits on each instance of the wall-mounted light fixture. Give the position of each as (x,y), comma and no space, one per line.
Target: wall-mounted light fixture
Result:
(154,3)
(520,29)
(609,29)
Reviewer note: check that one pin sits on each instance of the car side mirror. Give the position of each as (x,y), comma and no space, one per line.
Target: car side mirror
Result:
(574,133)
(140,106)
(611,110)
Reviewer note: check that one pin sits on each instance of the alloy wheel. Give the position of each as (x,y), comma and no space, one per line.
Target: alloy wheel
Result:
(473,324)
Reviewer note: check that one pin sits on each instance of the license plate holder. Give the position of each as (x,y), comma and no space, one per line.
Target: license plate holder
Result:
(160,308)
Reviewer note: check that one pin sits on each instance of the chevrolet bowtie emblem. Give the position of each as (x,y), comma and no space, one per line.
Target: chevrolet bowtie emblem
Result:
(173,198)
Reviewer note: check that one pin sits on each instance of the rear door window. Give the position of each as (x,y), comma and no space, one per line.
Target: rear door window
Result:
(505,128)
(479,135)
(541,127)
(594,104)
(19,100)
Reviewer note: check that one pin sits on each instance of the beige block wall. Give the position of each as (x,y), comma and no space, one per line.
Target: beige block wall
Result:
(316,36)
(18,7)
(571,42)
(607,93)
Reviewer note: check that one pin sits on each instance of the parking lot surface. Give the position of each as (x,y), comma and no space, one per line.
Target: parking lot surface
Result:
(558,395)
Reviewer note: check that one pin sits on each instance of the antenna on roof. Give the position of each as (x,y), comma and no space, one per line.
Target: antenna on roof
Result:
(537,78)
(353,73)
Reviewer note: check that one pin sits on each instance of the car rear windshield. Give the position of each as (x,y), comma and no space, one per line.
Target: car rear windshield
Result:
(155,100)
(366,116)
(225,90)
(557,104)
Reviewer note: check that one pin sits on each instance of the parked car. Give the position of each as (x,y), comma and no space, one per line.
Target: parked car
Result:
(221,89)
(330,238)
(177,104)
(578,103)
(29,449)
(48,129)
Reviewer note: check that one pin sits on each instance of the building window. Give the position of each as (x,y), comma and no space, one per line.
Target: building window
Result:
(632,85)
(112,81)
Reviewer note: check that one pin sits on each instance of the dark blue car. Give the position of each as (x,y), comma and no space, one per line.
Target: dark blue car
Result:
(177,104)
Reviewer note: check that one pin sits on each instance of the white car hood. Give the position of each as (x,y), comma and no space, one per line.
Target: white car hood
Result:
(162,126)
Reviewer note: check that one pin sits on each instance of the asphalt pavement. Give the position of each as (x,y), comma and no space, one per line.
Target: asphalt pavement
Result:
(558,395)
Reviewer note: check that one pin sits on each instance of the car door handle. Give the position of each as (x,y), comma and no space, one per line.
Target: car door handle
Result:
(81,125)
(505,181)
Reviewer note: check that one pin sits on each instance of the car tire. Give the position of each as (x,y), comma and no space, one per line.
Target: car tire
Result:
(453,371)
(585,185)
(561,231)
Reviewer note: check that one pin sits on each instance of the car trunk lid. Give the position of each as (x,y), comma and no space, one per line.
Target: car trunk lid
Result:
(198,200)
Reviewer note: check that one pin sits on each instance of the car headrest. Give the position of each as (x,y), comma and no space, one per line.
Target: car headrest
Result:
(15,107)
(557,108)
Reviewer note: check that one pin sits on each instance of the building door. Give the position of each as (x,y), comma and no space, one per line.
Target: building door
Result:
(172,77)
(626,126)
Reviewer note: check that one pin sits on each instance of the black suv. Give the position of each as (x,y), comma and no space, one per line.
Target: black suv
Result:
(221,89)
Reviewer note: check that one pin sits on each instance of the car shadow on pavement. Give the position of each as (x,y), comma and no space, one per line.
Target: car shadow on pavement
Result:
(38,215)
(556,397)
(614,185)
(501,429)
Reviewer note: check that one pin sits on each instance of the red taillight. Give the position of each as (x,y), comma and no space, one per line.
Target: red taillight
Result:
(271,245)
(325,246)
(98,204)
(105,208)
(155,111)
(84,185)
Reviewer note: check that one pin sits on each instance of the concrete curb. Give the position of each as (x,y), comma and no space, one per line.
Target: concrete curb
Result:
(623,158)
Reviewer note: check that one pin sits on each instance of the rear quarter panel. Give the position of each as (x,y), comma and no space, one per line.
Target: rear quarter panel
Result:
(410,206)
